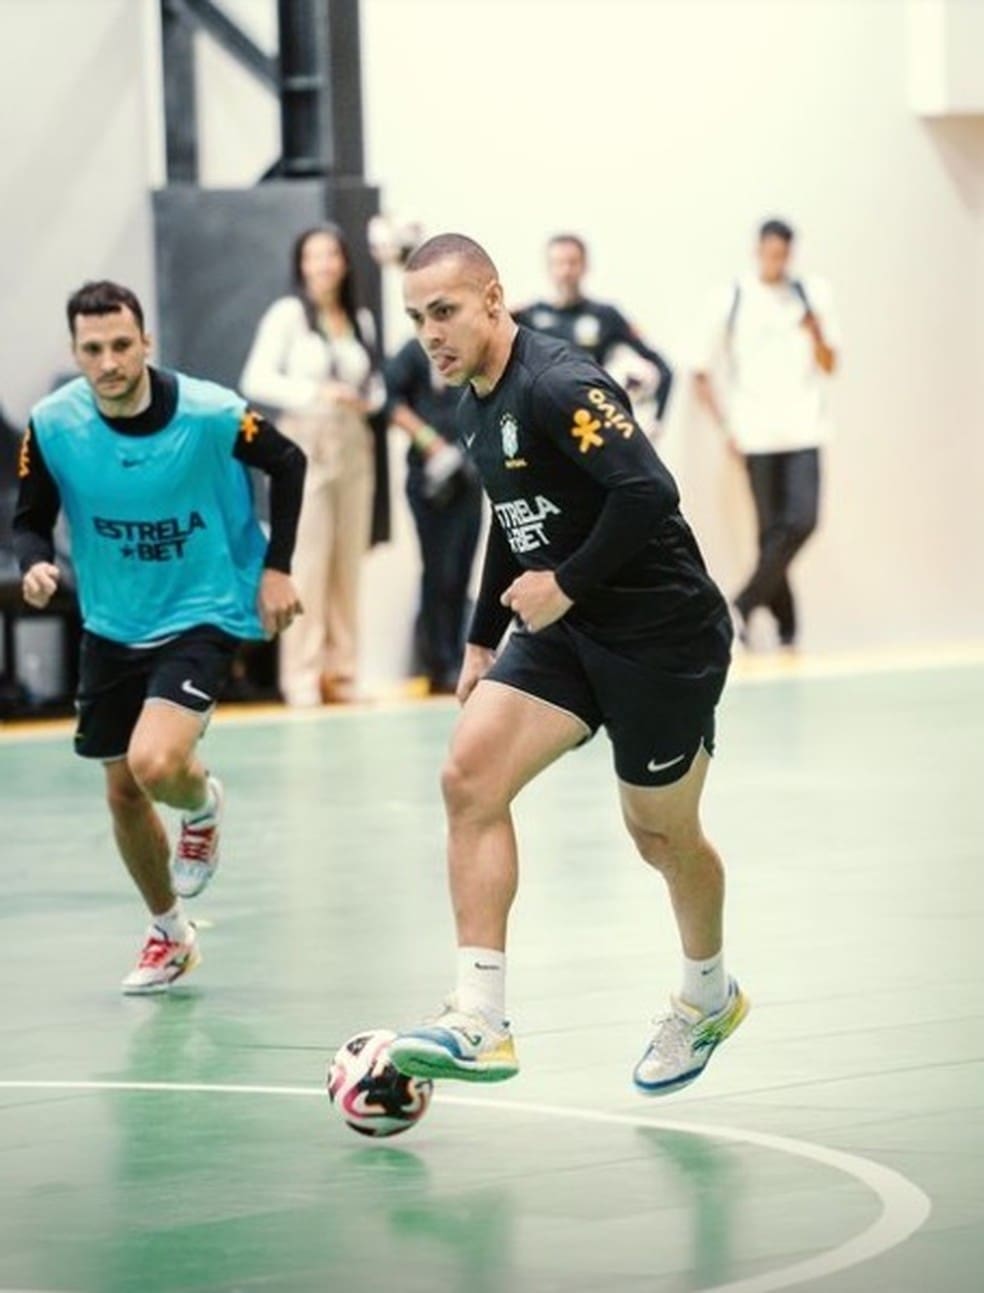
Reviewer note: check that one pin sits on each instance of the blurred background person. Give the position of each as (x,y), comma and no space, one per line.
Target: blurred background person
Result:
(445,499)
(599,328)
(313,362)
(774,339)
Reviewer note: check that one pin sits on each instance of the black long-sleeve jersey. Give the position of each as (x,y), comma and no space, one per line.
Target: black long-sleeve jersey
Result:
(597,327)
(259,445)
(577,488)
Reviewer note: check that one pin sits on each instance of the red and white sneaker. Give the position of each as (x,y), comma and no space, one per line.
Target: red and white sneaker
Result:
(162,960)
(196,855)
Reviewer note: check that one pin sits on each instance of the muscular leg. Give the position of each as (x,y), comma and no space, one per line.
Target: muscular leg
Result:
(665,824)
(162,758)
(504,738)
(140,837)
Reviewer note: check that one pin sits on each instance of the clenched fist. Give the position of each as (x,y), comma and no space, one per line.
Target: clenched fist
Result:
(40,584)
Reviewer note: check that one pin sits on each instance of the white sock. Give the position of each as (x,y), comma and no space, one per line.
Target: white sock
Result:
(206,808)
(705,984)
(173,924)
(482,983)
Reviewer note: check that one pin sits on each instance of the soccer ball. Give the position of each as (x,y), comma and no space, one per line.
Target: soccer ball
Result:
(372,1095)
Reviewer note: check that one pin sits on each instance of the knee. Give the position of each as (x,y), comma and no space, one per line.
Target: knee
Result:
(664,849)
(155,770)
(125,798)
(653,846)
(469,789)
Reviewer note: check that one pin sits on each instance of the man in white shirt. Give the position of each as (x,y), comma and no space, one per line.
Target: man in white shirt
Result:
(774,340)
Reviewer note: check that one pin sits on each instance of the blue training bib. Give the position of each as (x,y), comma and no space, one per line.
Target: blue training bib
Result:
(164,535)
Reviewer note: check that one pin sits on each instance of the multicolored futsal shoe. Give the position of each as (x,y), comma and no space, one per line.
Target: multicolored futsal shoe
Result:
(456,1044)
(684,1041)
(162,960)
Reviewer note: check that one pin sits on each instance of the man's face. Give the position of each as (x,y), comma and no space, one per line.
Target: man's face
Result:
(566,268)
(774,255)
(454,314)
(111,352)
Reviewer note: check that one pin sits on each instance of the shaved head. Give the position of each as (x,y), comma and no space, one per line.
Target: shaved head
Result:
(454,299)
(456,246)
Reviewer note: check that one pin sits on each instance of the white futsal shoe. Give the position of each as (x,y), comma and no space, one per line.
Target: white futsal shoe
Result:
(196,855)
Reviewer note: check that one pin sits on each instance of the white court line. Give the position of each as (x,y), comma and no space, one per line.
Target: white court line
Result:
(904,1206)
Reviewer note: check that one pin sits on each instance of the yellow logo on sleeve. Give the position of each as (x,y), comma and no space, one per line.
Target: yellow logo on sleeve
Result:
(614,418)
(605,416)
(24,456)
(249,428)
(585,431)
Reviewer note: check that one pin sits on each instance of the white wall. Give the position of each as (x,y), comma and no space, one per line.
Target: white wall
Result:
(73,184)
(662,130)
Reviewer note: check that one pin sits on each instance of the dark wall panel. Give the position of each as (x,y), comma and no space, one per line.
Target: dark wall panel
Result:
(223,255)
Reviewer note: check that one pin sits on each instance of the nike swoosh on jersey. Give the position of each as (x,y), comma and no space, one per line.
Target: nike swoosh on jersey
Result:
(659,767)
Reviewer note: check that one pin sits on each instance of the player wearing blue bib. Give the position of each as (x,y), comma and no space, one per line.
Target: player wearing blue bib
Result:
(150,470)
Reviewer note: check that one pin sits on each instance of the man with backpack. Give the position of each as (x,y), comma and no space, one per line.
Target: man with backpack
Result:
(774,340)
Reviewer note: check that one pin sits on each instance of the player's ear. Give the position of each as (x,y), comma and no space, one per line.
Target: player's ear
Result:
(494,298)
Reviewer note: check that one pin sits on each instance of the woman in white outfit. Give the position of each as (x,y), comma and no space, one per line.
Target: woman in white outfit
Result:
(312,362)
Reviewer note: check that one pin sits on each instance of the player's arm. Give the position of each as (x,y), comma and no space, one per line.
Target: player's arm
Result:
(707,398)
(259,444)
(711,345)
(491,616)
(583,413)
(824,353)
(442,460)
(400,377)
(38,505)
(624,332)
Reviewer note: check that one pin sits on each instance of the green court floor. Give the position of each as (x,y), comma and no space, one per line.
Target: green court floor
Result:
(836,1143)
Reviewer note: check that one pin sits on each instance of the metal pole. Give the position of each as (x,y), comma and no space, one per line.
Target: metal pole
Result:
(320,88)
(180,107)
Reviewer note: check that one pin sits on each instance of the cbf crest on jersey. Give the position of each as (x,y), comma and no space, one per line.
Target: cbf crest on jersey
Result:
(509,429)
(510,435)
(587,330)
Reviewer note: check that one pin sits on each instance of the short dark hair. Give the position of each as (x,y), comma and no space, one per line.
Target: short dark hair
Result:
(103,297)
(443,246)
(573,238)
(776,229)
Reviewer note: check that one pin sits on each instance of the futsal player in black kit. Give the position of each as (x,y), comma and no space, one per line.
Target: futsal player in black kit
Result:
(617,625)
(598,327)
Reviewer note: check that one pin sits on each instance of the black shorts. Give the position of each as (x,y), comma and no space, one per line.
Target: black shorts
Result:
(188,670)
(657,706)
